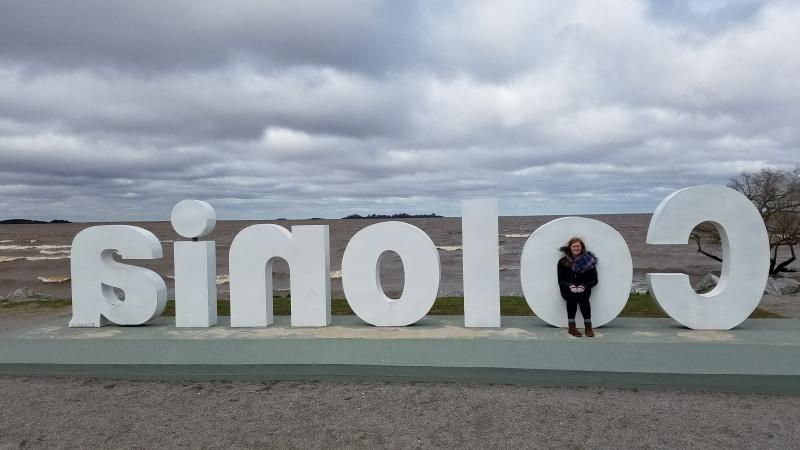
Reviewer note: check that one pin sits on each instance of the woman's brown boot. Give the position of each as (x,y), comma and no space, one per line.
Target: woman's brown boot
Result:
(587,328)
(573,331)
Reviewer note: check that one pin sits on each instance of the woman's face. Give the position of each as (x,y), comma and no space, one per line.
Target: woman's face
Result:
(576,248)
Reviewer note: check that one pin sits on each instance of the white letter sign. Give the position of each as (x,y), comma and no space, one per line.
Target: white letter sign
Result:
(95,274)
(195,265)
(481,263)
(745,256)
(307,251)
(539,277)
(362,282)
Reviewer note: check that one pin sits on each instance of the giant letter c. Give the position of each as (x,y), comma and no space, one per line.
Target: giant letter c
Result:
(745,256)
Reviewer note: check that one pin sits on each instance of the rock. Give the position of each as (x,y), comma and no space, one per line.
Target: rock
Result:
(25,293)
(770,288)
(708,283)
(20,294)
(782,286)
(792,275)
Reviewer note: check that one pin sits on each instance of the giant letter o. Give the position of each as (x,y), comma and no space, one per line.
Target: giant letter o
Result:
(361,278)
(539,276)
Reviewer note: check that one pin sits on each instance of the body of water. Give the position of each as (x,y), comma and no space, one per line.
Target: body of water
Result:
(37,256)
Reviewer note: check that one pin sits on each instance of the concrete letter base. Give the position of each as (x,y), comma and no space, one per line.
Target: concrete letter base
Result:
(758,356)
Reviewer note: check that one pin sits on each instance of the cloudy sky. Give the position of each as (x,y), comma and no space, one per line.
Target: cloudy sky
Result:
(116,110)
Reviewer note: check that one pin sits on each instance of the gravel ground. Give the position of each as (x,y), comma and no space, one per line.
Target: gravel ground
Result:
(48,413)
(27,314)
(85,413)
(785,305)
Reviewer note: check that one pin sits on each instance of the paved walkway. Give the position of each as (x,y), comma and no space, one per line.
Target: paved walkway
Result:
(757,356)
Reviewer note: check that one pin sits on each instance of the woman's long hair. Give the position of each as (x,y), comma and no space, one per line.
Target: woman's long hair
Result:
(584,261)
(565,249)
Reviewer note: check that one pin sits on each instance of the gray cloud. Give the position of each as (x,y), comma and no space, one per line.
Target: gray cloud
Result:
(705,16)
(116,111)
(149,36)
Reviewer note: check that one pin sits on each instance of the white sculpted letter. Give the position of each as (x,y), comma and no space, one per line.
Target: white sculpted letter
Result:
(195,265)
(95,274)
(307,251)
(539,276)
(361,278)
(745,256)
(481,263)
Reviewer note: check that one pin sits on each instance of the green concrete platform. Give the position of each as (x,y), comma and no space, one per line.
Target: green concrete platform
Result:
(761,355)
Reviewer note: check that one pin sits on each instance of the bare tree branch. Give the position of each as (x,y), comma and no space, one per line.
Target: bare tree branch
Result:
(697,239)
(776,195)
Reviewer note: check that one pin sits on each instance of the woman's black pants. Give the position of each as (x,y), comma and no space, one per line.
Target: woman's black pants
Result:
(578,300)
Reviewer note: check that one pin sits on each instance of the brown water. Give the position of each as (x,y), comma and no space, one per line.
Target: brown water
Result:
(37,256)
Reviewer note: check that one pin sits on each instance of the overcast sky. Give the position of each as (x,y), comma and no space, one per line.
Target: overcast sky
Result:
(116,110)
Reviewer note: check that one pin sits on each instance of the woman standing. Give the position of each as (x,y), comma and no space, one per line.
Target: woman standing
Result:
(577,275)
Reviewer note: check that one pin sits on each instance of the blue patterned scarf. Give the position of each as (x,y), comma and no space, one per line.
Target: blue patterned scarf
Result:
(582,262)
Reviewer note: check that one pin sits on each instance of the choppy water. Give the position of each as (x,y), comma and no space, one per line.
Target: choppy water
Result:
(37,256)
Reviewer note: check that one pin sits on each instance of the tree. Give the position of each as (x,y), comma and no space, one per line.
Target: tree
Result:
(776,195)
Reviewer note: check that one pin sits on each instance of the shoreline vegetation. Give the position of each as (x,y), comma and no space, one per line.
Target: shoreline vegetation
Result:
(639,305)
(394,216)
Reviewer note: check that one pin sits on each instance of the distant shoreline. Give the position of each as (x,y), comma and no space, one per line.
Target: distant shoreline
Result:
(285,219)
(394,216)
(30,222)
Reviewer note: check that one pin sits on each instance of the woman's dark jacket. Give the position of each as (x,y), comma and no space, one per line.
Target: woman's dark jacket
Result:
(567,277)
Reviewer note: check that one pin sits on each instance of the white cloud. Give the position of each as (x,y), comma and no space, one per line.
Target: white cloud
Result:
(271,109)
